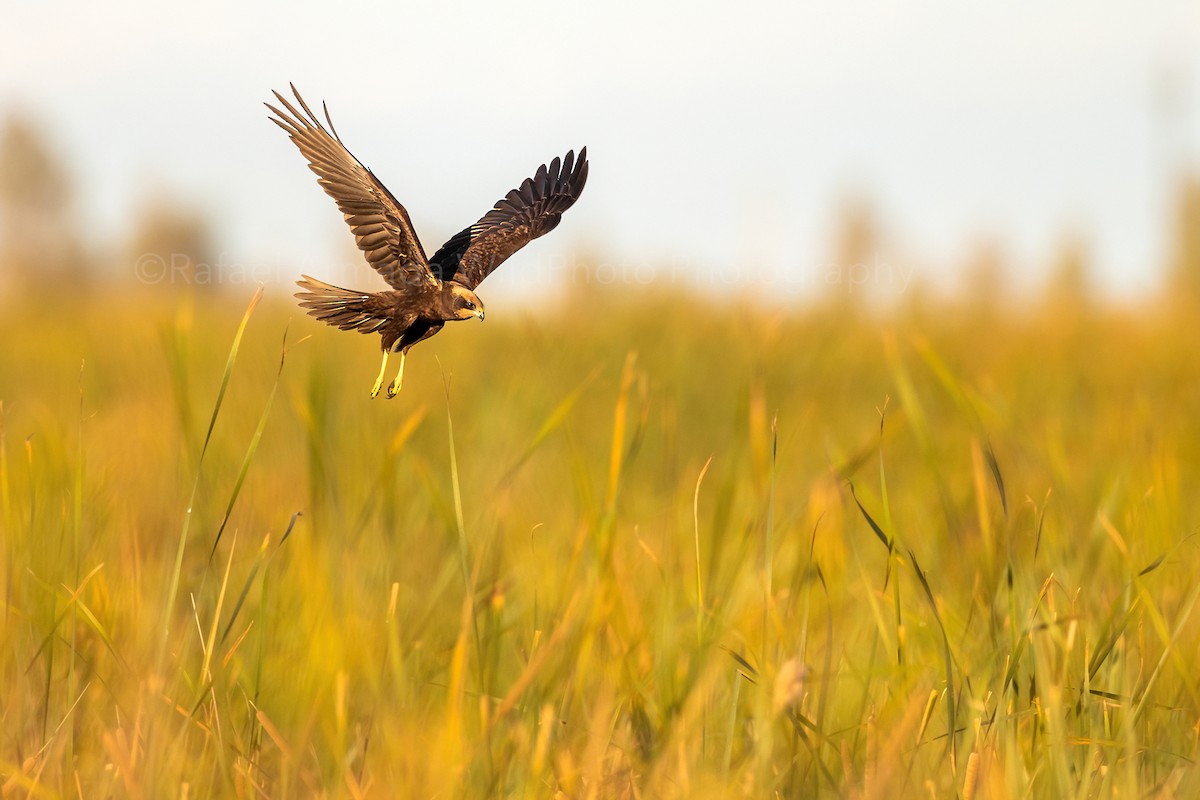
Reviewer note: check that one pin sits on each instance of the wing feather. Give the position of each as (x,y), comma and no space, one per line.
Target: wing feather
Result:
(380,224)
(525,213)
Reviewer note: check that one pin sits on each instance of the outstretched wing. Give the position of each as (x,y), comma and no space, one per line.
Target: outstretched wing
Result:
(380,224)
(524,214)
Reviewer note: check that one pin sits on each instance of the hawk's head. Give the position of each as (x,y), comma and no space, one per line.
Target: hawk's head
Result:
(464,303)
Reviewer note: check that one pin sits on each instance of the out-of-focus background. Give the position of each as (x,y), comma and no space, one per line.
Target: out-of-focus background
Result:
(785,150)
(841,441)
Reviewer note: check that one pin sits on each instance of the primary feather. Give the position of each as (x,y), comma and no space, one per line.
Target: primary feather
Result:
(380,224)
(522,215)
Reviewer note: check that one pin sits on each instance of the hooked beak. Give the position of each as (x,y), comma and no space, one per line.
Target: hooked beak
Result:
(479,313)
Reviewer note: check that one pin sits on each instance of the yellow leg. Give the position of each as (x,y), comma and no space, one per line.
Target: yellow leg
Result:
(379,381)
(394,389)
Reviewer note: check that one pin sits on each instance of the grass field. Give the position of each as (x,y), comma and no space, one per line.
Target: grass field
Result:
(633,548)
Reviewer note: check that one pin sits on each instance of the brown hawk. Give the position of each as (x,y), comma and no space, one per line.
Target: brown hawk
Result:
(426,293)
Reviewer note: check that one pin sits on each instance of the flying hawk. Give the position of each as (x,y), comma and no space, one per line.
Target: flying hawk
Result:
(426,292)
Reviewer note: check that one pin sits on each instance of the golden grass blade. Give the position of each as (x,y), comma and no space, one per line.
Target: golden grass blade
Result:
(768,551)
(696,539)
(7,518)
(617,449)
(878,531)
(206,667)
(948,656)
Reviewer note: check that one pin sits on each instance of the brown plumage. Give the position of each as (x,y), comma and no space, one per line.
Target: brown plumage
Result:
(426,293)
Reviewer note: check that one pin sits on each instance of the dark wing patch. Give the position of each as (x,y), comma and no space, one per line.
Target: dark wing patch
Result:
(380,224)
(523,214)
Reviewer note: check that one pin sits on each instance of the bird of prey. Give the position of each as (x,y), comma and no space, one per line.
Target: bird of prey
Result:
(426,293)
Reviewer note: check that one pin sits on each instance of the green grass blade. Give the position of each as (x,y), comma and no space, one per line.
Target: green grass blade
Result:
(177,568)
(251,450)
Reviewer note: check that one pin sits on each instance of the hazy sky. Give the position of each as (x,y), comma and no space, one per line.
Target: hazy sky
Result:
(723,136)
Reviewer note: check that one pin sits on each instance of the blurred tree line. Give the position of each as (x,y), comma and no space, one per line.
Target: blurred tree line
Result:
(44,241)
(1185,241)
(1068,284)
(38,230)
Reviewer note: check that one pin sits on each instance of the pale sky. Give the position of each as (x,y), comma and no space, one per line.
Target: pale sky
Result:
(722,136)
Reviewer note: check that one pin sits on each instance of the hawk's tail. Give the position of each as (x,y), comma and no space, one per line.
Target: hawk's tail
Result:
(341,308)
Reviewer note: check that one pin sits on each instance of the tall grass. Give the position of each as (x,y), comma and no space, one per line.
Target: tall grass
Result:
(625,551)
